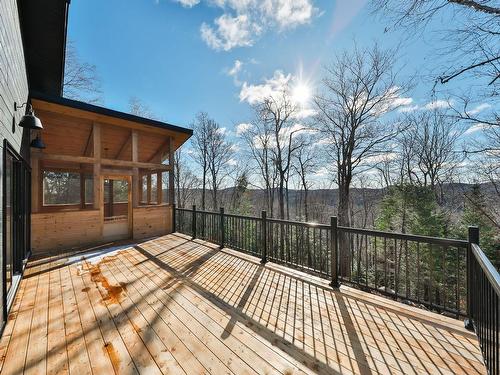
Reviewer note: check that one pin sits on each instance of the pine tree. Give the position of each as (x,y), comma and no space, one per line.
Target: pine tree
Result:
(476,213)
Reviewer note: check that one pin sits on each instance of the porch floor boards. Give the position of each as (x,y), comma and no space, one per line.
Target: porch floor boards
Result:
(177,306)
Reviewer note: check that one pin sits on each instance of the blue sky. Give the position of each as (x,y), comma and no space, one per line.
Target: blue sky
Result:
(177,60)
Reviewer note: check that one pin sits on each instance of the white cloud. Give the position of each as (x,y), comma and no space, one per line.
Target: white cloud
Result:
(243,21)
(230,32)
(222,130)
(235,70)
(476,127)
(242,128)
(271,87)
(188,3)
(408,108)
(274,87)
(437,104)
(374,159)
(232,162)
(481,107)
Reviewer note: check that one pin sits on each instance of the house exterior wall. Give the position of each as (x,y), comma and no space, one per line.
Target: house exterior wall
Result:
(13,88)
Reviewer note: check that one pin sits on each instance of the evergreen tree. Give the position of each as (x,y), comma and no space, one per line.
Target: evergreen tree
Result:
(476,213)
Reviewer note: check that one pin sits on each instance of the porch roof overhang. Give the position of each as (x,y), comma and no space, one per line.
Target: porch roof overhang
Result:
(43,28)
(56,104)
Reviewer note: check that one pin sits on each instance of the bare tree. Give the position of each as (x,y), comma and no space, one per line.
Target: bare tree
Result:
(471,42)
(474,31)
(306,164)
(219,153)
(276,114)
(184,180)
(199,142)
(139,108)
(80,78)
(429,149)
(358,89)
(258,138)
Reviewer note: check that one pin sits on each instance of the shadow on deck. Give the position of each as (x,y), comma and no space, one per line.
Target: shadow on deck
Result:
(180,306)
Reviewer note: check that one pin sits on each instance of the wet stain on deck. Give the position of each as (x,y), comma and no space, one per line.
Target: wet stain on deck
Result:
(113,355)
(114,293)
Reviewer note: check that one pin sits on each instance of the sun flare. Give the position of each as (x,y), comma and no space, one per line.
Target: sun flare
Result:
(301,93)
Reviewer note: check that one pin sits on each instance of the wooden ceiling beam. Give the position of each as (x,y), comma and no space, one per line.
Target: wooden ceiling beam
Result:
(86,152)
(124,146)
(162,150)
(111,162)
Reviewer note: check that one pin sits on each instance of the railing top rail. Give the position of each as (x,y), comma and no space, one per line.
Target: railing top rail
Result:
(371,232)
(488,268)
(311,225)
(243,216)
(404,236)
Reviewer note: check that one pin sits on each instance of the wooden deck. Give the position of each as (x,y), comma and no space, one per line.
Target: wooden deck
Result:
(172,305)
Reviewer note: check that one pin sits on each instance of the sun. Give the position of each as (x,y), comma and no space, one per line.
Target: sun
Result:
(301,93)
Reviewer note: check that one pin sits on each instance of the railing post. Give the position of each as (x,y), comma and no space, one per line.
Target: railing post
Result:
(221,227)
(334,256)
(473,235)
(193,221)
(264,237)
(173,218)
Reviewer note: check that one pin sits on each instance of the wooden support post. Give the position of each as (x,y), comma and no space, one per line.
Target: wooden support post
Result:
(35,184)
(171,191)
(159,188)
(334,252)
(136,181)
(96,136)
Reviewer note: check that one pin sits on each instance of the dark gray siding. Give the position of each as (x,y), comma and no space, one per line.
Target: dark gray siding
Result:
(13,84)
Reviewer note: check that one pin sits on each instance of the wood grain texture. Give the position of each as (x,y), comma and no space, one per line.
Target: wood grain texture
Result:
(152,221)
(176,306)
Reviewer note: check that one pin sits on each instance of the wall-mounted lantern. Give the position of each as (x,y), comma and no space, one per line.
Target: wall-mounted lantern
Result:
(37,143)
(29,120)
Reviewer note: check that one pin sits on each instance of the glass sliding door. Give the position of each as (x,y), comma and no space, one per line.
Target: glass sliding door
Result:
(8,220)
(16,221)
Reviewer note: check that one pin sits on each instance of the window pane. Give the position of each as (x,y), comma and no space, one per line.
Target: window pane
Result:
(120,191)
(164,186)
(89,189)
(61,188)
(154,189)
(144,198)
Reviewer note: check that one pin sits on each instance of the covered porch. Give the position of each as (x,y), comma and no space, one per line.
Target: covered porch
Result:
(177,305)
(102,176)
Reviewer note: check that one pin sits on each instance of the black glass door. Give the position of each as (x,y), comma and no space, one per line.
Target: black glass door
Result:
(16,219)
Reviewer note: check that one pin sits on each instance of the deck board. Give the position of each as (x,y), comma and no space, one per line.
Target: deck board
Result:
(177,306)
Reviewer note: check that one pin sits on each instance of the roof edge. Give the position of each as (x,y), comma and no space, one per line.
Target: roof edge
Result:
(108,112)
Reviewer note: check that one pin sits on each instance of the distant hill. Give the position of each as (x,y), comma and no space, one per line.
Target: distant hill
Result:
(323,202)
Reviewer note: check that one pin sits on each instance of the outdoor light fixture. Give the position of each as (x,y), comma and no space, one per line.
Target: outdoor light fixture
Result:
(37,143)
(29,120)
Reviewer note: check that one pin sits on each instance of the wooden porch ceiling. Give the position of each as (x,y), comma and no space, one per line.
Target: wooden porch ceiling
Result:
(172,305)
(72,136)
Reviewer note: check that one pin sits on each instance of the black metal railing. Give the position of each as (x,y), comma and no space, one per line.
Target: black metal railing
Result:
(424,270)
(445,275)
(483,302)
